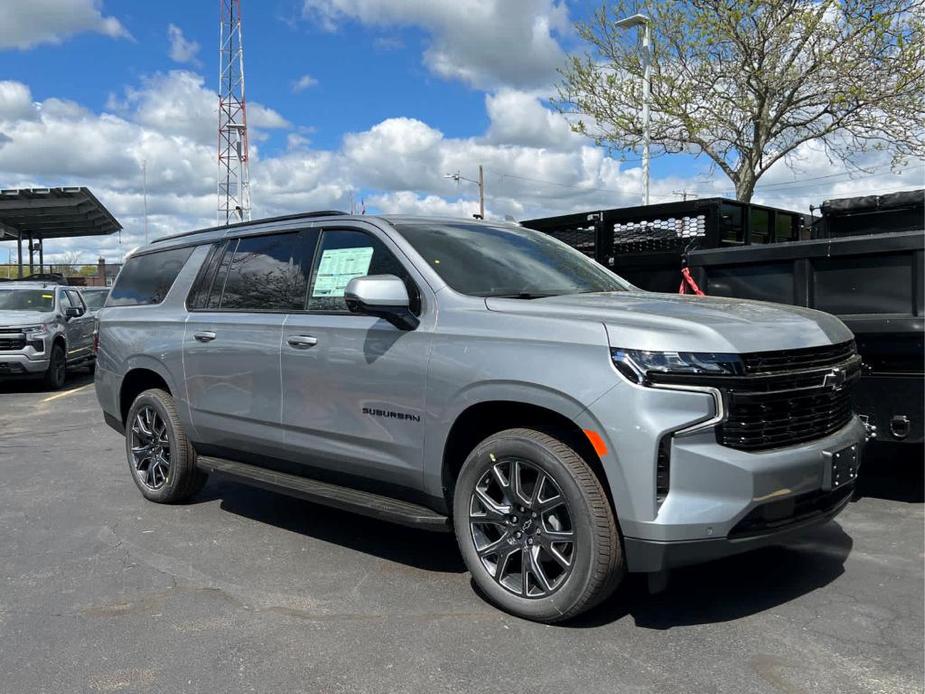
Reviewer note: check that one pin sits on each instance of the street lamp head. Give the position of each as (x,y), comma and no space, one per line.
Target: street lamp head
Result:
(635,20)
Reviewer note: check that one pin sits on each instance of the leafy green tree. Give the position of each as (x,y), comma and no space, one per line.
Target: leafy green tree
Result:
(747,82)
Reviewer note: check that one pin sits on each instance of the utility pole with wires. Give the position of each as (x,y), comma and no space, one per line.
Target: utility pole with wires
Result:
(480,183)
(234,203)
(684,194)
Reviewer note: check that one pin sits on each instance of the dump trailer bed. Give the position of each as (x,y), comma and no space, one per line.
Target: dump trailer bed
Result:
(874,283)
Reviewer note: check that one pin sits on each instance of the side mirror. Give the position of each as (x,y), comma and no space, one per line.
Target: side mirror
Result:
(73,312)
(383,296)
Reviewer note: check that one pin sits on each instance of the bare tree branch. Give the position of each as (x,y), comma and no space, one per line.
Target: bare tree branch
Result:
(747,82)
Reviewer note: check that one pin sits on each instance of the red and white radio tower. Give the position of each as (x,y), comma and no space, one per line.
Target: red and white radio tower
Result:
(234,197)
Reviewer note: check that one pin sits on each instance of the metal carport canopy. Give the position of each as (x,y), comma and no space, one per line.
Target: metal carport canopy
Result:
(49,213)
(36,214)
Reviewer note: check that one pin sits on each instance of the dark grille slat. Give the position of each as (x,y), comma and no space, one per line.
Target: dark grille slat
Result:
(11,343)
(788,360)
(771,407)
(757,427)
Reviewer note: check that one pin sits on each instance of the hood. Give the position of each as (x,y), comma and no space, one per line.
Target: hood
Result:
(15,319)
(671,322)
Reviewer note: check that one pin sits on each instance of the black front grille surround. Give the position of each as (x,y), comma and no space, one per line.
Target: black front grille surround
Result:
(790,397)
(782,398)
(8,343)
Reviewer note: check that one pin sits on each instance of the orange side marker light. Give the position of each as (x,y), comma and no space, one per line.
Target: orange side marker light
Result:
(597,442)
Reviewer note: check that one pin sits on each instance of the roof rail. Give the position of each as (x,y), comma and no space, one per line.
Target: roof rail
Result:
(266,220)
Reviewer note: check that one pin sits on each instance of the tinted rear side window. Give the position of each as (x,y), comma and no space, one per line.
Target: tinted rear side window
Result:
(268,273)
(199,294)
(147,278)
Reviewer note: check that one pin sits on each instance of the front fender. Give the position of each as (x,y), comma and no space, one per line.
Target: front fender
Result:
(441,423)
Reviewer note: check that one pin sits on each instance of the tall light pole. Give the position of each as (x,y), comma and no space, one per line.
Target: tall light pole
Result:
(480,183)
(643,21)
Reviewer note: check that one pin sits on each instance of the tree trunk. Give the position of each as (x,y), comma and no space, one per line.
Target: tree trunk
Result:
(745,184)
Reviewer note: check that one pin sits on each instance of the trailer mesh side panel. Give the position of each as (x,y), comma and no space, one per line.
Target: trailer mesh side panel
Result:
(654,235)
(579,238)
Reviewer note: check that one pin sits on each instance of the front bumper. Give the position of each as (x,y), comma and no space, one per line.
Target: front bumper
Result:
(655,555)
(18,364)
(713,490)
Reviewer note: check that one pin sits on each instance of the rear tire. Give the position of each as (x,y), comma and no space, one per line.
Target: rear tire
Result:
(525,498)
(57,368)
(160,457)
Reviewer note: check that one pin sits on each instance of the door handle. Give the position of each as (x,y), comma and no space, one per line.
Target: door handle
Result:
(204,336)
(302,341)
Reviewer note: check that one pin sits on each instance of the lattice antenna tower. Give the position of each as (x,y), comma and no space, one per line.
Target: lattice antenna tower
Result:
(234,199)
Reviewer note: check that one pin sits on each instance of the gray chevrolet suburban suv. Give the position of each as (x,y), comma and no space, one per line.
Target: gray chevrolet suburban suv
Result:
(481,378)
(45,329)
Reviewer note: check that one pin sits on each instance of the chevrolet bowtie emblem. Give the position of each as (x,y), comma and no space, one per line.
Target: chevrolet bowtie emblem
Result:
(835,379)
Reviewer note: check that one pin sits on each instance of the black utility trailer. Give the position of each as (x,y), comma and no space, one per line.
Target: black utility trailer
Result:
(873,281)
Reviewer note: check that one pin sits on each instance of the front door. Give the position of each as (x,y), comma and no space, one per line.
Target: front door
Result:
(354,385)
(79,329)
(231,349)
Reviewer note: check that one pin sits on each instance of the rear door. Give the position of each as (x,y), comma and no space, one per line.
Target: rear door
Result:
(231,346)
(353,385)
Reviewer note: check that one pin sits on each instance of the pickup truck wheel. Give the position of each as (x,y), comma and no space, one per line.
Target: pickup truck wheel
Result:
(160,457)
(535,527)
(57,368)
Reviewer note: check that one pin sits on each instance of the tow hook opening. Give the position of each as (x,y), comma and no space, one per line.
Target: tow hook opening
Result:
(899,426)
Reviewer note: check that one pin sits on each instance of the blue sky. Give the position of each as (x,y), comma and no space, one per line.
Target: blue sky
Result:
(393,94)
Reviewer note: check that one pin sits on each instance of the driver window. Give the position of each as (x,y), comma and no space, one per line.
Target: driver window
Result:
(345,254)
(76,301)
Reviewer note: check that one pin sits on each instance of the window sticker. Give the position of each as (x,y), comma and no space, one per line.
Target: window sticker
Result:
(337,267)
(47,296)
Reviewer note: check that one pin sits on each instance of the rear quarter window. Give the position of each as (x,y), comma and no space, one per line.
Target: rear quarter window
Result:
(146,279)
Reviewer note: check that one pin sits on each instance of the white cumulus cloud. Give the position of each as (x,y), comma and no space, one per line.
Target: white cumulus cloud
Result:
(485,43)
(182,50)
(27,23)
(303,83)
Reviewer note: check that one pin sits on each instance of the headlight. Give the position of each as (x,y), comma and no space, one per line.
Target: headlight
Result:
(36,332)
(639,366)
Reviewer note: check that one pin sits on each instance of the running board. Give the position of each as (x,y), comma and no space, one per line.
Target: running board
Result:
(346,498)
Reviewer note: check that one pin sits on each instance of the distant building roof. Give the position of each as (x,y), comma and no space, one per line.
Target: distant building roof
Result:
(49,213)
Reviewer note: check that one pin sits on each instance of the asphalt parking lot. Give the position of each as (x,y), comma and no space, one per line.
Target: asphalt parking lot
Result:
(244,590)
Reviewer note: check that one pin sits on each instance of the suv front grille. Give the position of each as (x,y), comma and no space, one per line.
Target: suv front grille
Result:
(783,419)
(12,343)
(789,397)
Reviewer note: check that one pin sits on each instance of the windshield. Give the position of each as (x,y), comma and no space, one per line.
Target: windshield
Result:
(95,300)
(481,260)
(27,300)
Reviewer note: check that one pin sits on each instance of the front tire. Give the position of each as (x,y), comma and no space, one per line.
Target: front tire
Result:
(57,368)
(535,527)
(161,459)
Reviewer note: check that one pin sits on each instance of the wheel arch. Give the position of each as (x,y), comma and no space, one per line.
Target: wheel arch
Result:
(136,380)
(482,419)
